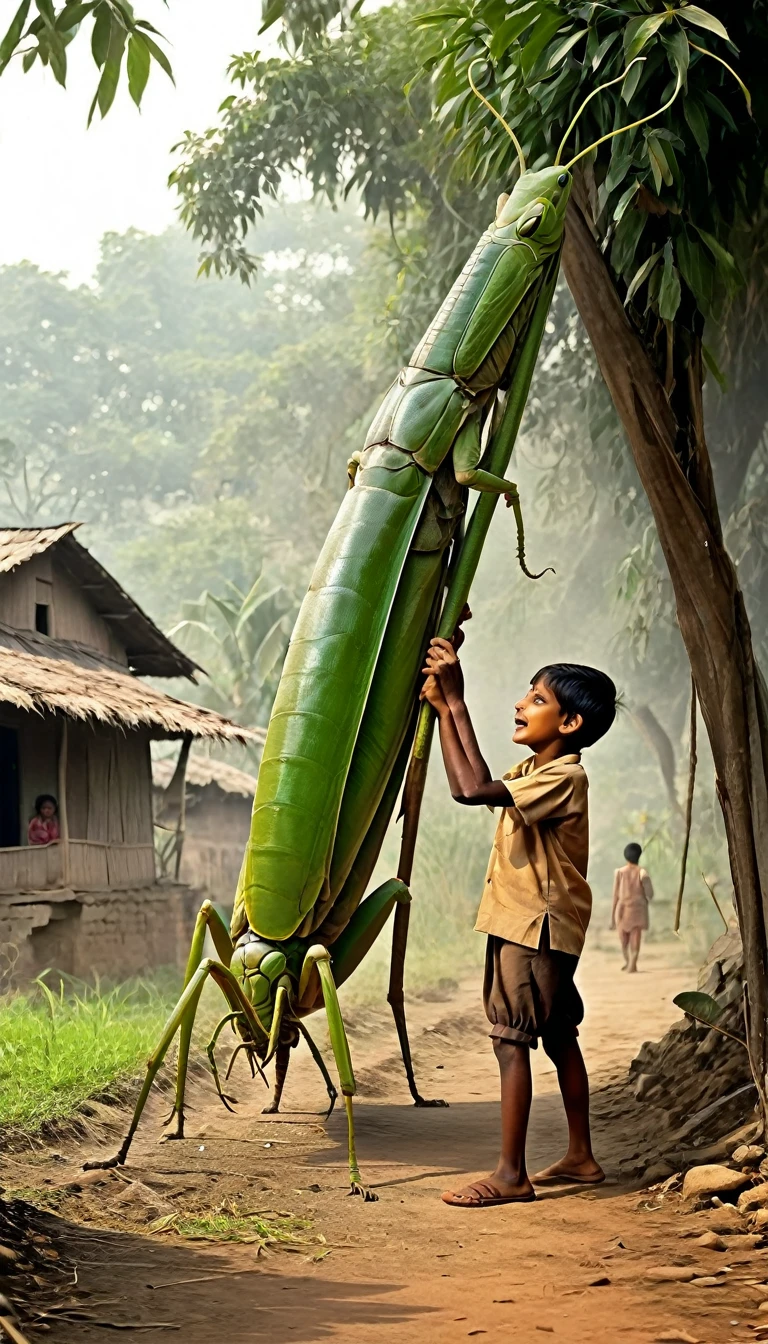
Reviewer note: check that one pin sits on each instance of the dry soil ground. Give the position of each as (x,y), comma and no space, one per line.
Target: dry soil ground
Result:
(407,1268)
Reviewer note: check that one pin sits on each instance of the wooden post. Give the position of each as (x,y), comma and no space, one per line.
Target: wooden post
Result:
(62,800)
(179,782)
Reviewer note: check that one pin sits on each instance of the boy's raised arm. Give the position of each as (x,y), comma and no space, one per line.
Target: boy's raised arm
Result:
(445,665)
(469,778)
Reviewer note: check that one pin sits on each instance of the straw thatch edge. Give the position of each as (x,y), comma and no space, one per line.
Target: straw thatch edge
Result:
(54,686)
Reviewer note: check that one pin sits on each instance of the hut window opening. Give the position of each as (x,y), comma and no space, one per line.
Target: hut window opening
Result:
(44,607)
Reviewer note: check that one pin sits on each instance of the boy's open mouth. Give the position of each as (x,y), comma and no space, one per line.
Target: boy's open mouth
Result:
(521,723)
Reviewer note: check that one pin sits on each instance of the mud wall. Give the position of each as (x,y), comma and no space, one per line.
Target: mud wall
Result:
(114,934)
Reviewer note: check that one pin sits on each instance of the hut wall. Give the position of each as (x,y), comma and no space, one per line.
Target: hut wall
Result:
(101,933)
(109,785)
(217,827)
(18,592)
(109,806)
(75,618)
(72,616)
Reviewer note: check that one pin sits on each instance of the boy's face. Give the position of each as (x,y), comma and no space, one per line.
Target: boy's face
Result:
(540,721)
(46,811)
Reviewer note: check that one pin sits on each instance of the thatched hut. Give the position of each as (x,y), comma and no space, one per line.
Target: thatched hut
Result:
(76,723)
(217,819)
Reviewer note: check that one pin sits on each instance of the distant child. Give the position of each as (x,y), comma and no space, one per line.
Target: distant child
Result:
(536,903)
(43,828)
(632,890)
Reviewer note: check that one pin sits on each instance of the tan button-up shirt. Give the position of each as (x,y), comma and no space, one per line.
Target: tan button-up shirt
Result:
(538,864)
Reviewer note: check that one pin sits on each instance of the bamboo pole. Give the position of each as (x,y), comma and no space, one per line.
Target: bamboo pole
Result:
(62,800)
(179,781)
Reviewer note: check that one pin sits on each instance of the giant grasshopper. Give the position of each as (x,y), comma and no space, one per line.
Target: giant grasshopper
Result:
(345,728)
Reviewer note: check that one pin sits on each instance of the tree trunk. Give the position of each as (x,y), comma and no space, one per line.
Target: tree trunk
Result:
(675,469)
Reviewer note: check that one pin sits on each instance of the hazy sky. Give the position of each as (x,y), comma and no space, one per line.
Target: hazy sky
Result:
(63,186)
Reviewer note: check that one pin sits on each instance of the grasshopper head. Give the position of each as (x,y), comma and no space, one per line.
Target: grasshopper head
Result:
(536,207)
(261,967)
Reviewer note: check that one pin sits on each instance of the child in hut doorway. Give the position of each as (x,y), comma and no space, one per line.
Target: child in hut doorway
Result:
(632,890)
(43,828)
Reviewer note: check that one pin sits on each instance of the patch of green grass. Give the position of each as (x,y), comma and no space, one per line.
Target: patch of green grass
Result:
(229,1223)
(57,1049)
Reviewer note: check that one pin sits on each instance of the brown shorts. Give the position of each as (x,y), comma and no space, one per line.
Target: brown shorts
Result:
(529,992)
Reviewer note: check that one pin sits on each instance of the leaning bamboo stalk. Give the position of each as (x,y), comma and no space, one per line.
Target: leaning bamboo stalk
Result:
(63,815)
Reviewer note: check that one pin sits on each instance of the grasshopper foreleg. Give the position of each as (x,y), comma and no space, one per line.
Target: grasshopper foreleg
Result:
(320,1062)
(282,1060)
(208,921)
(184,1015)
(319,956)
(466,458)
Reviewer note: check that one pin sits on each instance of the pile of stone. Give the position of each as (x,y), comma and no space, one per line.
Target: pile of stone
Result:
(736,1197)
(698,1081)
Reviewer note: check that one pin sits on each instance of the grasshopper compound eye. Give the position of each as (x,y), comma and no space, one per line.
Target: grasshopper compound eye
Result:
(562,180)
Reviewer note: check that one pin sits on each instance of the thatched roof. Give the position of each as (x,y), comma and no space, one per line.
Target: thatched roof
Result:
(18,544)
(53,686)
(66,650)
(203,772)
(150,653)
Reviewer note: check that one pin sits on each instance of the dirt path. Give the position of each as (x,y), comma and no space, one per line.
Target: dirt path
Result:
(407,1268)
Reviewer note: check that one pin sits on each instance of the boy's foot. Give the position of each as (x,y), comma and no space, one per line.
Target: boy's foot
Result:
(579,1173)
(488,1193)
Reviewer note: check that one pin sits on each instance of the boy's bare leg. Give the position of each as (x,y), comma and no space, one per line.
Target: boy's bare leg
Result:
(635,938)
(579,1163)
(509,1182)
(624,948)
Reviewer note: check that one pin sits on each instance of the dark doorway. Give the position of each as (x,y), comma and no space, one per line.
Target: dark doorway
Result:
(9,788)
(41,618)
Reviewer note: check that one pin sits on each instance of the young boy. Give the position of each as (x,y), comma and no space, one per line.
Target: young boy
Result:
(536,903)
(632,892)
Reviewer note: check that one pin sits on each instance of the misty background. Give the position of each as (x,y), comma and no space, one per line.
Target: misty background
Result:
(199,429)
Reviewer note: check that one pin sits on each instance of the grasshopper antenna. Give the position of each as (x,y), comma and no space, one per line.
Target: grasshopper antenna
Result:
(632,124)
(589,98)
(497,115)
(747,95)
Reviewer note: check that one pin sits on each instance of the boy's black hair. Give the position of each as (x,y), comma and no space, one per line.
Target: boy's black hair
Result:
(45,798)
(585,691)
(632,852)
